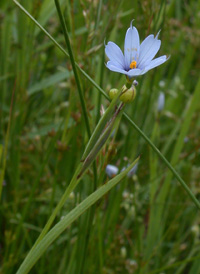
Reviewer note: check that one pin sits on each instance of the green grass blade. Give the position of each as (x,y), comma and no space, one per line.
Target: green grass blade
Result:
(3,152)
(71,55)
(35,254)
(49,81)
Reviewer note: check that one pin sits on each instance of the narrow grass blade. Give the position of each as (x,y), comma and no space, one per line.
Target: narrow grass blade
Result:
(157,151)
(192,106)
(71,55)
(49,81)
(3,152)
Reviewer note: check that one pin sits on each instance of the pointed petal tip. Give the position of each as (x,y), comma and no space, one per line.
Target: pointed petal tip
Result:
(166,57)
(131,24)
(158,34)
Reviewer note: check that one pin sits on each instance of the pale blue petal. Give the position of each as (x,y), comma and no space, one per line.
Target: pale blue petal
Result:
(144,47)
(148,50)
(112,66)
(115,54)
(131,46)
(134,72)
(156,62)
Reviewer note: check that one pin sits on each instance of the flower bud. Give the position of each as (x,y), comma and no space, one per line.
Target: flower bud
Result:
(128,95)
(112,93)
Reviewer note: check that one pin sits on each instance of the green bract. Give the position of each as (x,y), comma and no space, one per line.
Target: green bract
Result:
(128,95)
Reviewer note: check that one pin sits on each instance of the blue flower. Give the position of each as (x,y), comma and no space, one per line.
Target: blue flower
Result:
(111,170)
(137,58)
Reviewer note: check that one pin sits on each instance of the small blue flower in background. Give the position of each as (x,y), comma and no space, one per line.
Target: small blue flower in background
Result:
(132,171)
(137,58)
(111,170)
(161,102)
(186,139)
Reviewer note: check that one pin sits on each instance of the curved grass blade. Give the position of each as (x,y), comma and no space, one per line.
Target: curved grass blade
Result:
(54,233)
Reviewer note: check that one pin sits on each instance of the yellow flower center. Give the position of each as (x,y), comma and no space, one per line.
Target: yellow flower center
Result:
(133,64)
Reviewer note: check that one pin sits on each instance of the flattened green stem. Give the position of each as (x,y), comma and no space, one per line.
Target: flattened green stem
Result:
(101,141)
(101,125)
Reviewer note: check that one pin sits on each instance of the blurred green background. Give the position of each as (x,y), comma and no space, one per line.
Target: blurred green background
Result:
(147,224)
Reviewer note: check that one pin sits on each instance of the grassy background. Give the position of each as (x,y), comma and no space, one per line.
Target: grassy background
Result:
(147,224)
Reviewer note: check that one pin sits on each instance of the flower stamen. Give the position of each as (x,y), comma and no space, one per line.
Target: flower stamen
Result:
(133,64)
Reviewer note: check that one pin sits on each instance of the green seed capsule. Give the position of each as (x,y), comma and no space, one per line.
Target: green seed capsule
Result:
(112,93)
(128,95)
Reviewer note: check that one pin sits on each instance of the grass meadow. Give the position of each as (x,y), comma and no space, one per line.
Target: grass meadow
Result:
(59,211)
